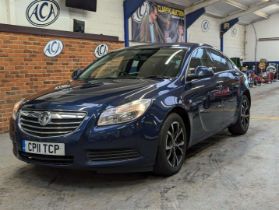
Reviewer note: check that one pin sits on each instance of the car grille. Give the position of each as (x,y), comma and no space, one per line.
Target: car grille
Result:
(60,123)
(107,155)
(46,159)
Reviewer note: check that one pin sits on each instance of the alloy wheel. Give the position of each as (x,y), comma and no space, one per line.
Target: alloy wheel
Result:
(245,114)
(175,142)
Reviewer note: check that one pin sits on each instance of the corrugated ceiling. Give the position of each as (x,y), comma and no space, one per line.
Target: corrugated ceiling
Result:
(224,8)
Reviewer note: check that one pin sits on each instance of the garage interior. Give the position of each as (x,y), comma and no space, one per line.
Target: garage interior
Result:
(223,172)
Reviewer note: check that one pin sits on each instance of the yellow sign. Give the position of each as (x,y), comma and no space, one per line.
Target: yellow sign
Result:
(172,11)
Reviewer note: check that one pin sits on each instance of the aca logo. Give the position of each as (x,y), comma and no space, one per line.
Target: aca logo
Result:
(42,12)
(53,48)
(141,12)
(205,25)
(101,50)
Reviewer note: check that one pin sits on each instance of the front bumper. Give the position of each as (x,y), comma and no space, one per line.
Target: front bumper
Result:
(129,147)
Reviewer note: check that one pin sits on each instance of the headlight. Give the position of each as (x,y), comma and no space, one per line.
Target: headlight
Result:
(124,113)
(16,108)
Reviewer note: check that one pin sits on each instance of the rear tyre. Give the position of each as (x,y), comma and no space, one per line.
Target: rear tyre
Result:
(172,146)
(242,125)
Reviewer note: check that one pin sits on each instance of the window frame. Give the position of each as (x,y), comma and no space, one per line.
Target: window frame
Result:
(228,61)
(201,61)
(191,56)
(206,48)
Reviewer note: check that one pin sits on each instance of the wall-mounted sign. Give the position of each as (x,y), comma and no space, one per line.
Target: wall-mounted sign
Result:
(42,12)
(234,31)
(53,48)
(226,26)
(141,12)
(205,25)
(158,23)
(101,50)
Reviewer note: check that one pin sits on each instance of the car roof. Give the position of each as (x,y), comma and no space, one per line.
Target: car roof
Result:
(174,45)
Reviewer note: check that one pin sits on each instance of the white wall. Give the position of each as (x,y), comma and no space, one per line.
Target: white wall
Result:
(211,37)
(3,11)
(268,49)
(233,43)
(108,19)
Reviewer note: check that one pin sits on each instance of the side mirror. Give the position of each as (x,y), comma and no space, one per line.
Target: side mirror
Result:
(201,72)
(76,74)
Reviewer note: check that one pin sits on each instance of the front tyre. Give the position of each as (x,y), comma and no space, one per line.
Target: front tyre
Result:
(172,146)
(242,125)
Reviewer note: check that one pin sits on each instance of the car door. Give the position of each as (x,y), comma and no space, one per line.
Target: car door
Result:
(205,104)
(228,84)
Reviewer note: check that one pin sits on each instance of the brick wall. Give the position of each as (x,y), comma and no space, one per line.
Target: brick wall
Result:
(25,70)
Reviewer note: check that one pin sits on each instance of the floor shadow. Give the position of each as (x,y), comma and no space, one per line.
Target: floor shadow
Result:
(194,150)
(44,176)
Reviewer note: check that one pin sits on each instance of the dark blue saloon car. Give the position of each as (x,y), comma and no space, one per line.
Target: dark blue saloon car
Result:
(136,109)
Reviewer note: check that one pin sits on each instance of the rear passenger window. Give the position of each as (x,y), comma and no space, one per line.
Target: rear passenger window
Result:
(220,63)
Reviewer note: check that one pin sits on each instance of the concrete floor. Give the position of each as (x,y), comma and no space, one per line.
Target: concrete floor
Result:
(222,173)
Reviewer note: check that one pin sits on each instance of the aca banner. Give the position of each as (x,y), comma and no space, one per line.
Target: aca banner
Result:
(156,23)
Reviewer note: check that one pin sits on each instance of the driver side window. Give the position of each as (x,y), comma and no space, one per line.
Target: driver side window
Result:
(199,58)
(220,62)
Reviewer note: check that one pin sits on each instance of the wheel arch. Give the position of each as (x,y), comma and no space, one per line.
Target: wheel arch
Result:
(247,93)
(186,119)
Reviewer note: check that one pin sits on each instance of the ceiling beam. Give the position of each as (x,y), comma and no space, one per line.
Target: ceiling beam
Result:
(261,14)
(214,15)
(250,10)
(244,7)
(237,4)
(199,5)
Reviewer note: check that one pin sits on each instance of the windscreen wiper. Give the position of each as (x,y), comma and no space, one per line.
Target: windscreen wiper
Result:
(156,77)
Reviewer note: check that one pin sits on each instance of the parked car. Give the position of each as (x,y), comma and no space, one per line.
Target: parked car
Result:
(136,109)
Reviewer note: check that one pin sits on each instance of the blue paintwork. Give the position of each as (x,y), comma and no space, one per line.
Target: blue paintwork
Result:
(224,30)
(201,101)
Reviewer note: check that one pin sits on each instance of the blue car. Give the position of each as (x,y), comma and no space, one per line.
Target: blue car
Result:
(135,109)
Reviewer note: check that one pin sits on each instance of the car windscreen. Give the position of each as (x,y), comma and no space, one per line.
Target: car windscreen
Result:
(137,63)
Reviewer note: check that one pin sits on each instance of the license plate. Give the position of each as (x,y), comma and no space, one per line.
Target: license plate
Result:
(41,148)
